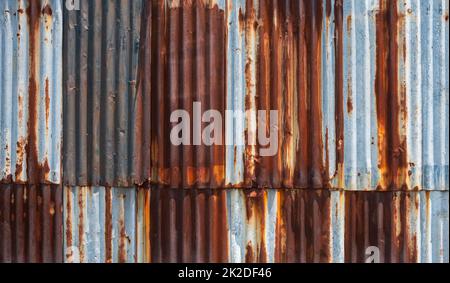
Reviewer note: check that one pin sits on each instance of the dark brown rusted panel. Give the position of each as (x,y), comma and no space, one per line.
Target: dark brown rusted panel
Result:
(182,61)
(303,226)
(289,80)
(187,226)
(382,220)
(31,224)
(390,99)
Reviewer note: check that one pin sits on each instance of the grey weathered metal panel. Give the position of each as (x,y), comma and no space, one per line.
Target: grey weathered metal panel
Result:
(101,44)
(30,91)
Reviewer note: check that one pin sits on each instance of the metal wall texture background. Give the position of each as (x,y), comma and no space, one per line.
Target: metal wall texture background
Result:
(362,89)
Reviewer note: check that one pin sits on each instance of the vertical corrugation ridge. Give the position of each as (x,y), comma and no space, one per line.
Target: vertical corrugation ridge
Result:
(101,53)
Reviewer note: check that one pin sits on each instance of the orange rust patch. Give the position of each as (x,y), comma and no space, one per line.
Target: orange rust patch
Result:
(390,99)
(34,13)
(339,90)
(47,103)
(47,10)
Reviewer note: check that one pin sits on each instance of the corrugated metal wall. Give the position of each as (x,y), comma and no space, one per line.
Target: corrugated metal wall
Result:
(362,92)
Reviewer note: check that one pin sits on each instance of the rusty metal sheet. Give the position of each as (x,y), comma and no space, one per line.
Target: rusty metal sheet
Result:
(160,224)
(31,224)
(357,112)
(101,46)
(286,226)
(183,225)
(404,226)
(361,88)
(183,60)
(30,91)
(99,225)
(395,89)
(210,225)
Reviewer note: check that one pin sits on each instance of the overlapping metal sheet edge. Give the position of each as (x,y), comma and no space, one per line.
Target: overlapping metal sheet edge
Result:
(31,227)
(101,47)
(30,91)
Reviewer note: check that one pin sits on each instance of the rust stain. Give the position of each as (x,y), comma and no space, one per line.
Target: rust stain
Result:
(81,236)
(249,253)
(350,75)
(69,241)
(33,12)
(20,151)
(329,7)
(256,203)
(122,233)
(47,10)
(249,21)
(47,103)
(36,172)
(108,225)
(390,100)
(339,91)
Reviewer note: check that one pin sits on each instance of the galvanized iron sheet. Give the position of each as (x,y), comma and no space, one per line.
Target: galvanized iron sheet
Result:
(31,223)
(99,225)
(101,46)
(30,91)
